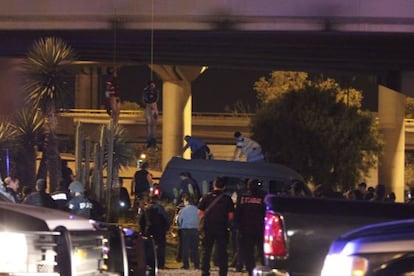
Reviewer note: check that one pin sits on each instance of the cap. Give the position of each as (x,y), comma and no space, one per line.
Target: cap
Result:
(76,187)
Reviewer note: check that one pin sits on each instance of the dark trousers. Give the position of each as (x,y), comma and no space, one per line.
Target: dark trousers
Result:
(247,245)
(160,244)
(201,153)
(220,239)
(190,247)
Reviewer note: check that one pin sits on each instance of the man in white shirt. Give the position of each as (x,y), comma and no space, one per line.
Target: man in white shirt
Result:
(248,147)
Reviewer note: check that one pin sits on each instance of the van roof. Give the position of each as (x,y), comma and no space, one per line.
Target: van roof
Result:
(236,168)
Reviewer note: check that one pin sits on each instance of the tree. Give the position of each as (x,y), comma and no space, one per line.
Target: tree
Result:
(321,137)
(48,71)
(281,82)
(6,136)
(27,124)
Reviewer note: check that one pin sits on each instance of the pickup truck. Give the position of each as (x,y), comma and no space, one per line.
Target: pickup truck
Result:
(299,230)
(42,241)
(375,250)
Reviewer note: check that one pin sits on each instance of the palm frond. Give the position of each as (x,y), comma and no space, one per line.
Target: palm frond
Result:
(28,125)
(48,71)
(124,153)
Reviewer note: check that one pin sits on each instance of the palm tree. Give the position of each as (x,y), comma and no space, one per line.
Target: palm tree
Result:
(123,155)
(6,136)
(48,71)
(27,125)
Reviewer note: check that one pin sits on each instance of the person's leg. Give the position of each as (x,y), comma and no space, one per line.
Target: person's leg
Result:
(221,247)
(207,246)
(195,258)
(185,247)
(247,252)
(160,242)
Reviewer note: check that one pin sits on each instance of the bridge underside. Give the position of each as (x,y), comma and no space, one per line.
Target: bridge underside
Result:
(282,50)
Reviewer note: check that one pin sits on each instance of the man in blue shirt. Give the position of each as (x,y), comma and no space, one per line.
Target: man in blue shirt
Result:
(199,149)
(188,224)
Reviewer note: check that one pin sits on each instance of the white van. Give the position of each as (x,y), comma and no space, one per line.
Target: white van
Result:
(275,178)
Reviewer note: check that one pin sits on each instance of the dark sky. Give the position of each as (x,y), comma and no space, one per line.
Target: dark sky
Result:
(217,88)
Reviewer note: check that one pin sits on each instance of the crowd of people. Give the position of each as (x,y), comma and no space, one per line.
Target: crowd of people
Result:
(207,224)
(70,195)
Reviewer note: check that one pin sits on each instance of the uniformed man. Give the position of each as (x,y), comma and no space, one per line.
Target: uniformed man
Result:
(249,218)
(79,204)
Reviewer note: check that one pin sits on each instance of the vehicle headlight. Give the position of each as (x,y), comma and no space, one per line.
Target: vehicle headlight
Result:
(344,266)
(13,252)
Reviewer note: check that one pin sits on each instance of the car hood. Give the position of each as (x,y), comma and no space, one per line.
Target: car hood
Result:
(21,217)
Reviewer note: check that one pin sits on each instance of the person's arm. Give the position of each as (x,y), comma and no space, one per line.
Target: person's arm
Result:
(237,154)
(184,149)
(133,186)
(200,213)
(230,216)
(149,178)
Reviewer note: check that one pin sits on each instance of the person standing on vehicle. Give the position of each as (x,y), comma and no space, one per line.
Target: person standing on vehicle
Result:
(150,99)
(248,147)
(79,204)
(188,224)
(249,218)
(216,209)
(40,197)
(199,149)
(155,222)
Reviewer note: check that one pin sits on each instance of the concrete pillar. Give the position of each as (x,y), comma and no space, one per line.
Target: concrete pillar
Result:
(177,108)
(391,109)
(87,87)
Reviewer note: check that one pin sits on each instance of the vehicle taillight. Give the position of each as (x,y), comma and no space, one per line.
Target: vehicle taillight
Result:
(274,238)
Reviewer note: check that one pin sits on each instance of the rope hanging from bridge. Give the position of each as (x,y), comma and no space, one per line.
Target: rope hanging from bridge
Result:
(152,38)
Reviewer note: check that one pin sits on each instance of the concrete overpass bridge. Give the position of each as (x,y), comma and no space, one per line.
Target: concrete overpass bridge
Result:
(179,37)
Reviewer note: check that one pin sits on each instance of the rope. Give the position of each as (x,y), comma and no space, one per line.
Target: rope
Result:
(115,43)
(152,37)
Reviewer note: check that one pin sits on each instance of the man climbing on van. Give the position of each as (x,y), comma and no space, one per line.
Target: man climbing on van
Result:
(248,147)
(199,149)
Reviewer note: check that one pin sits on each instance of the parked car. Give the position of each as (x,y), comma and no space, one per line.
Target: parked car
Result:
(42,241)
(299,230)
(375,250)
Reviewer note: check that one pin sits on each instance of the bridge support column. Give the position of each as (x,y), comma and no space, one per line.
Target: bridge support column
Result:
(87,87)
(177,106)
(391,111)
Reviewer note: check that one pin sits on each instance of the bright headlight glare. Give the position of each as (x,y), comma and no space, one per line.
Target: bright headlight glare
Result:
(344,266)
(13,252)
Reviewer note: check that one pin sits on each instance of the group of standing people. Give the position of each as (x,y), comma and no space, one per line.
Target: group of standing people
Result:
(71,199)
(210,220)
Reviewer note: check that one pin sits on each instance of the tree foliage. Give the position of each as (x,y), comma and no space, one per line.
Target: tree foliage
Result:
(313,131)
(282,82)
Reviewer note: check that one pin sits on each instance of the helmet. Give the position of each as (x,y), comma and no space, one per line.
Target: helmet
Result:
(76,187)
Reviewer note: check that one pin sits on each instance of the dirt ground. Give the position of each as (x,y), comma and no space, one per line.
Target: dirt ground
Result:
(213,272)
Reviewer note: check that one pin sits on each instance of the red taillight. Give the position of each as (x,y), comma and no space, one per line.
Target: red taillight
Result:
(274,237)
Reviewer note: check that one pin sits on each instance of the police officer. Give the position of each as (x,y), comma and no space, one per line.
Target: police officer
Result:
(79,204)
(250,212)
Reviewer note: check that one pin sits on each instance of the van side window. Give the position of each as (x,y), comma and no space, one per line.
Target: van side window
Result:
(279,187)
